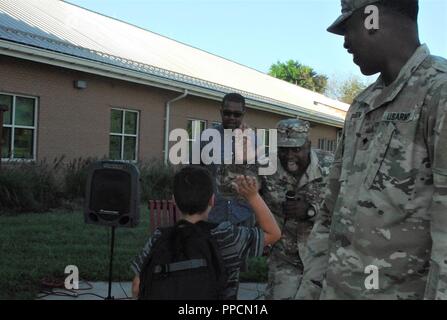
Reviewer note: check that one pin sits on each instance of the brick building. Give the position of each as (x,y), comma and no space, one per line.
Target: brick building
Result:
(80,84)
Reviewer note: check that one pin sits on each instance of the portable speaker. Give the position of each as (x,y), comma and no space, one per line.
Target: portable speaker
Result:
(112,194)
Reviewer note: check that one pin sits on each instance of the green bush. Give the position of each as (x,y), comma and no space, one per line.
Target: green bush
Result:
(156,180)
(75,178)
(30,187)
(39,187)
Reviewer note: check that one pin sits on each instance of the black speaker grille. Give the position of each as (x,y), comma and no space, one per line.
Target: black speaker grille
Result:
(110,193)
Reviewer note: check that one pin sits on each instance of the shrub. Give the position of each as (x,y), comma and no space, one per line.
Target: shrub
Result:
(156,180)
(39,187)
(26,187)
(75,178)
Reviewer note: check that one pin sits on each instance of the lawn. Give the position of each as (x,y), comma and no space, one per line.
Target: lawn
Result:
(35,246)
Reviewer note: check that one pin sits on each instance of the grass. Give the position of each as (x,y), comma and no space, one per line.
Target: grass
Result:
(35,246)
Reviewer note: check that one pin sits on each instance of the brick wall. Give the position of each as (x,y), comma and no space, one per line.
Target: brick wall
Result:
(76,123)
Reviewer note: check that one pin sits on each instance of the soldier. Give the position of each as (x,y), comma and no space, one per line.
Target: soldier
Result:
(229,205)
(300,178)
(382,229)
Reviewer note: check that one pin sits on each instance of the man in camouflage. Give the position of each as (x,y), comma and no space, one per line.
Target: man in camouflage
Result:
(229,205)
(385,208)
(300,175)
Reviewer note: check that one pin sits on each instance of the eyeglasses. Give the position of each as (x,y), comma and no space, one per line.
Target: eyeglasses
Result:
(236,114)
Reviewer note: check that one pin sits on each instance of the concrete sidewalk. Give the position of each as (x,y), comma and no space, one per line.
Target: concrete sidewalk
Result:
(99,290)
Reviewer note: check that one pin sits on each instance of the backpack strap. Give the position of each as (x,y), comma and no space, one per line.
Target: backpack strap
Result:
(181,266)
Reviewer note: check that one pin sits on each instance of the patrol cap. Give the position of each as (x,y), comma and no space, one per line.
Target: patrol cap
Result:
(292,132)
(347,9)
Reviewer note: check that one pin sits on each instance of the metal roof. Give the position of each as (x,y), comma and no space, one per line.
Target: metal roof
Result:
(59,27)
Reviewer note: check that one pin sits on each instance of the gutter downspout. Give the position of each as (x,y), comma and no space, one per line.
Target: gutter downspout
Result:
(167,120)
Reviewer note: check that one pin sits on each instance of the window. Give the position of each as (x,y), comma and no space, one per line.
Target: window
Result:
(327,145)
(266,140)
(124,135)
(331,146)
(195,129)
(215,124)
(19,127)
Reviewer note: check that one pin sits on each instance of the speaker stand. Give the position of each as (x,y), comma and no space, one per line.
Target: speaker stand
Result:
(112,245)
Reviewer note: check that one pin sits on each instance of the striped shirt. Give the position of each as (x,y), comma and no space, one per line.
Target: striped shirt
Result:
(235,243)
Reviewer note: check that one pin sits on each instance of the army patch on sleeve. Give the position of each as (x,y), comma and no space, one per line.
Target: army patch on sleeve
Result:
(398,116)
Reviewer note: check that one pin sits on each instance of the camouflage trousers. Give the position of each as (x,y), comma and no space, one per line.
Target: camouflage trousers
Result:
(284,279)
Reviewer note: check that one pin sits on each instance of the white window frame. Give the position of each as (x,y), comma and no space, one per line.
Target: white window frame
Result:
(192,138)
(265,140)
(327,145)
(123,135)
(321,144)
(12,126)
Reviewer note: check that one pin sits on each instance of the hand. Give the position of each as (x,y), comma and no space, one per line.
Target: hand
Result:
(246,186)
(248,145)
(296,209)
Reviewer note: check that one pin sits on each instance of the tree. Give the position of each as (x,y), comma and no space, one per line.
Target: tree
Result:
(345,90)
(299,74)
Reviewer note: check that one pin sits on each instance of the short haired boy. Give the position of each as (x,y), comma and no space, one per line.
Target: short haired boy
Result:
(193,194)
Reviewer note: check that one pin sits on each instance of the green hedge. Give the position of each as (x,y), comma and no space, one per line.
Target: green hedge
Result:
(156,180)
(75,177)
(42,186)
(30,187)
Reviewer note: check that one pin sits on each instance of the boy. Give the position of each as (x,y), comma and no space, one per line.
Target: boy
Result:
(193,194)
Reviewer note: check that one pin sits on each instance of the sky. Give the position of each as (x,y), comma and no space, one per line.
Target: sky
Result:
(258,33)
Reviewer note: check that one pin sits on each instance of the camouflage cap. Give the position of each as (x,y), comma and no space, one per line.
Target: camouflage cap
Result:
(347,9)
(292,132)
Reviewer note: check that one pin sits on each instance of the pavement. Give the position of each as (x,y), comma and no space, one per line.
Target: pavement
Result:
(122,291)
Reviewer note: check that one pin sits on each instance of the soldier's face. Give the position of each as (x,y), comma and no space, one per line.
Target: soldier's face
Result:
(363,44)
(232,115)
(294,160)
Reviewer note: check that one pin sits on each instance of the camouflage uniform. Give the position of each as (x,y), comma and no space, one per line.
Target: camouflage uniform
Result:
(386,201)
(236,209)
(230,206)
(284,262)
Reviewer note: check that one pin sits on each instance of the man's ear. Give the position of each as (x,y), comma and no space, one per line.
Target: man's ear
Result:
(212,201)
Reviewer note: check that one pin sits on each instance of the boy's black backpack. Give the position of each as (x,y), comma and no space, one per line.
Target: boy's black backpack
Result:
(185,263)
